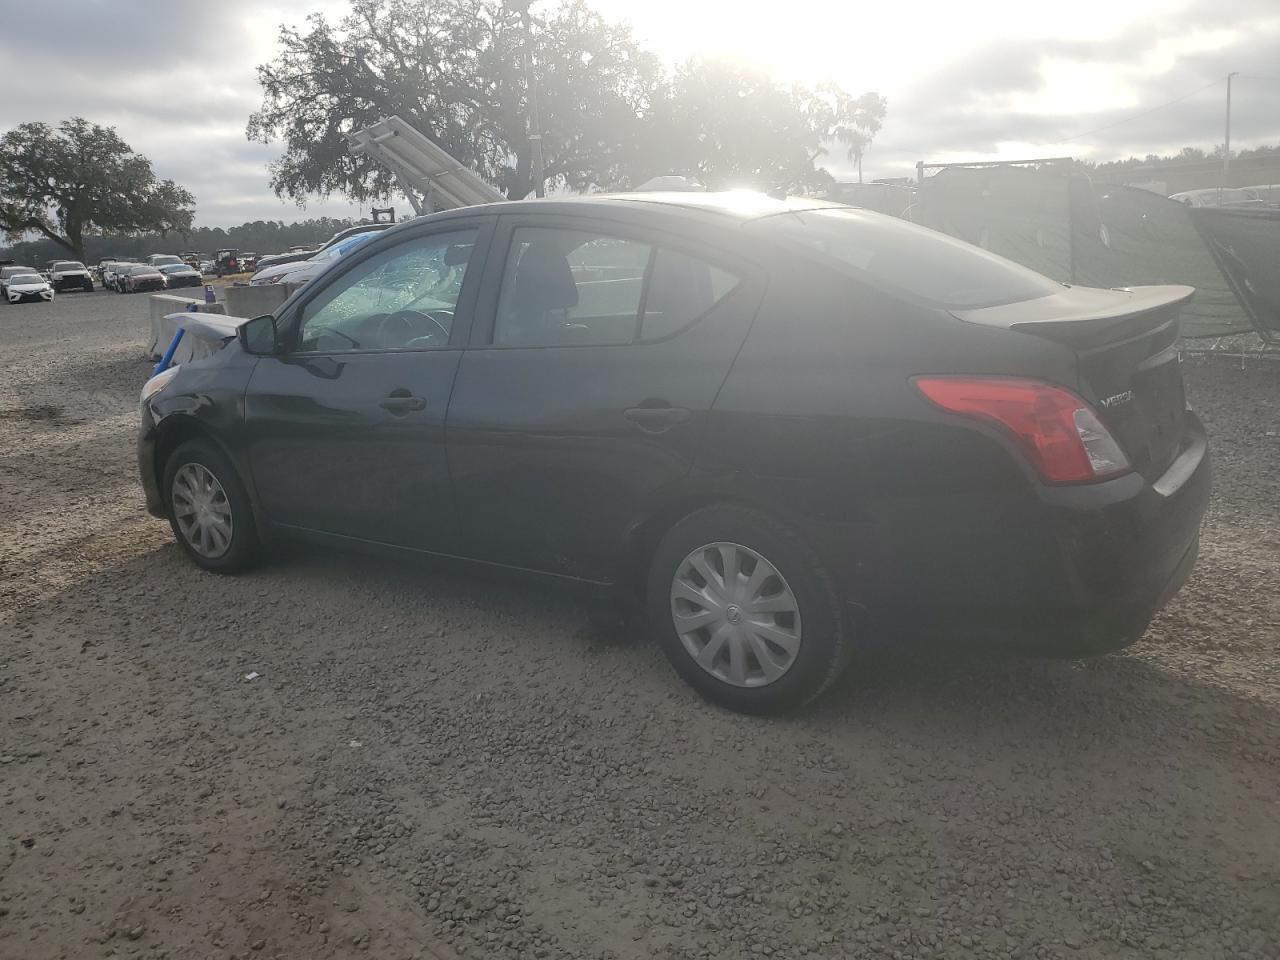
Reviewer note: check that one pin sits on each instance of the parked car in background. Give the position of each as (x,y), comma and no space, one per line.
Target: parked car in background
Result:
(226,261)
(248,262)
(1267,193)
(298,254)
(206,267)
(1238,197)
(138,278)
(70,274)
(181,275)
(99,268)
(303,270)
(162,259)
(27,286)
(789,429)
(112,271)
(10,270)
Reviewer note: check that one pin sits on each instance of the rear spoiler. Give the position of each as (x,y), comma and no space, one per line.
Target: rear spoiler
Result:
(1085,316)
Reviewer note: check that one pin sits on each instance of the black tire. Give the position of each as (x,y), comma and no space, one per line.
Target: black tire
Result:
(824,650)
(244,549)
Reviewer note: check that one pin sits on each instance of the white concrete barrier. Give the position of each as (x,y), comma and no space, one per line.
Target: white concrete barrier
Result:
(254,301)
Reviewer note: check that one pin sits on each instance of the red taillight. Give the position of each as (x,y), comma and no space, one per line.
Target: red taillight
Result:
(1056,430)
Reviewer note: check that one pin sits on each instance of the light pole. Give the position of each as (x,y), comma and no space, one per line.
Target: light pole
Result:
(1226,147)
(535,125)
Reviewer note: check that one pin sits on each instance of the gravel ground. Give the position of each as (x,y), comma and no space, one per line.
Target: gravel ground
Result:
(429,766)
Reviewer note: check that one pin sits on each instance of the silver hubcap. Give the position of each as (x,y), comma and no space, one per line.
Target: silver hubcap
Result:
(202,510)
(735,614)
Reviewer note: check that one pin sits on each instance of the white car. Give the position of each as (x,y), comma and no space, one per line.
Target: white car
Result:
(284,272)
(12,270)
(28,286)
(64,274)
(113,271)
(1237,197)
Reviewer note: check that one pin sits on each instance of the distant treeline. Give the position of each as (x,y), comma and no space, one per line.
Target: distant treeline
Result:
(1186,155)
(261,236)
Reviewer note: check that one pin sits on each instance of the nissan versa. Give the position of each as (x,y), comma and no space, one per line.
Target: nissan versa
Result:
(788,426)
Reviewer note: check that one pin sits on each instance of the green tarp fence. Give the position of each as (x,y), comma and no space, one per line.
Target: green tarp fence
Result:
(1246,246)
(1107,235)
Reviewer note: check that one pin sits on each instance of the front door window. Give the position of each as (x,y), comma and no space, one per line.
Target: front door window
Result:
(402,299)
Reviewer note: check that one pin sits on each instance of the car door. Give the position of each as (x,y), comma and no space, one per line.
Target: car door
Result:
(597,353)
(345,425)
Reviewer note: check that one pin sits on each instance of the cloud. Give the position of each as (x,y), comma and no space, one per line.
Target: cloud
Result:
(178,85)
(993,79)
(1099,100)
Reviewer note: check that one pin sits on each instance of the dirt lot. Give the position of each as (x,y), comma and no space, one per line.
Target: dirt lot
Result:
(428,766)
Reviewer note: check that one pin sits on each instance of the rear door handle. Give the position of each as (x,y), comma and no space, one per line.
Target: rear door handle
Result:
(656,419)
(401,403)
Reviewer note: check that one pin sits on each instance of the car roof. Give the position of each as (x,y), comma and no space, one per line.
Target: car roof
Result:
(726,206)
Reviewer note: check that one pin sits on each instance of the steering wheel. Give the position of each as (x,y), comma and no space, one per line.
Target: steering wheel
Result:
(403,327)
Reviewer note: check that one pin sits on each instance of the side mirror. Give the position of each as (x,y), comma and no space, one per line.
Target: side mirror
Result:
(258,336)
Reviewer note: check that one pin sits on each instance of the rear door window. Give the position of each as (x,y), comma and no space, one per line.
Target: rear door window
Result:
(565,287)
(570,286)
(681,289)
(910,259)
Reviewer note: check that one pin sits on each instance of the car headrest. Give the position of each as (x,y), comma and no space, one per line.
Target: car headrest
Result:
(543,280)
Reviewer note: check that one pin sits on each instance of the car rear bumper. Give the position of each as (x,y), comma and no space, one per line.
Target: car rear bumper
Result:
(1078,571)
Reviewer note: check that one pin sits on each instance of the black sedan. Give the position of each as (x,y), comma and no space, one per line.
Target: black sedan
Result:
(790,429)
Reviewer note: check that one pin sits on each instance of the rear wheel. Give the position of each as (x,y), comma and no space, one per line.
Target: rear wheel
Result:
(745,611)
(209,508)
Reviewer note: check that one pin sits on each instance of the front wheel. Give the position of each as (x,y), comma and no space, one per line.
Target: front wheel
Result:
(745,611)
(209,508)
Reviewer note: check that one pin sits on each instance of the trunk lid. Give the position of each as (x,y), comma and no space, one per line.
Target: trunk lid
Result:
(1126,347)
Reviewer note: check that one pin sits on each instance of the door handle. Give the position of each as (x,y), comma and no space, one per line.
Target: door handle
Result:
(656,419)
(400,403)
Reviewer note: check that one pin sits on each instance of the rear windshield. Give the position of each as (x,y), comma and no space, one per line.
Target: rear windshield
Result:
(909,259)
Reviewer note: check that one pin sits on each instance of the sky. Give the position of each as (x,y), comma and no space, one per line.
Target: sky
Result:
(983,79)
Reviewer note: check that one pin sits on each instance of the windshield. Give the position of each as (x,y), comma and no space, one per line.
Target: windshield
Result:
(19,278)
(908,259)
(68,265)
